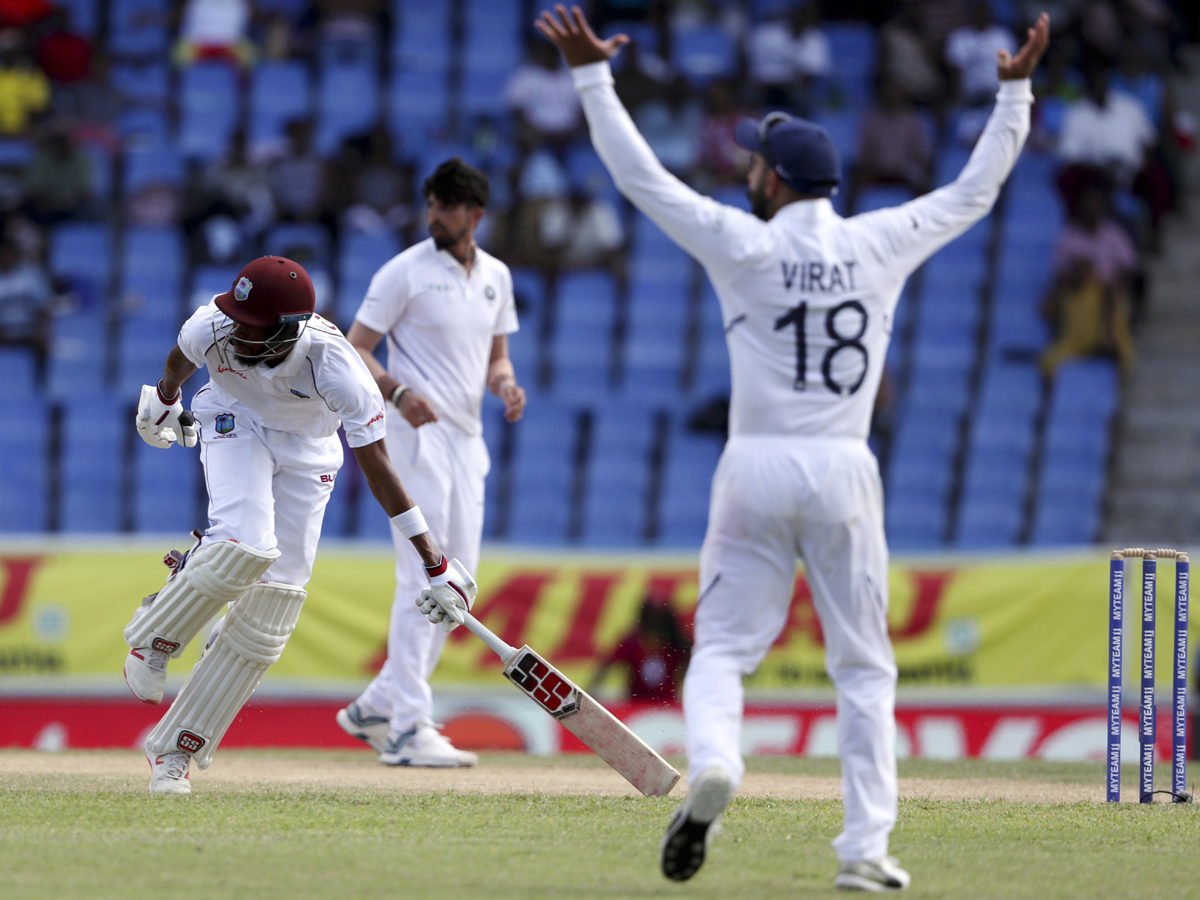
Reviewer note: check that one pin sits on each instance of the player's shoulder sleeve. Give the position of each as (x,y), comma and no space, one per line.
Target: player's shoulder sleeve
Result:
(388,293)
(196,335)
(506,301)
(346,385)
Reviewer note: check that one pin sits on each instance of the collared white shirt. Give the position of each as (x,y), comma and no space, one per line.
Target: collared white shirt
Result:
(1114,134)
(440,322)
(322,382)
(808,297)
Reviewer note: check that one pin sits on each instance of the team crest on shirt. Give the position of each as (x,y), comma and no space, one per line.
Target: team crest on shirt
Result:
(224,423)
(241,290)
(489,292)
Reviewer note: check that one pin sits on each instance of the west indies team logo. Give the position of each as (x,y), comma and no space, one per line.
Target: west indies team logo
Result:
(241,290)
(224,423)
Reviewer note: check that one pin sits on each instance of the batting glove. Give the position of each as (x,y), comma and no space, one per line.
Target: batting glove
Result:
(450,594)
(163,422)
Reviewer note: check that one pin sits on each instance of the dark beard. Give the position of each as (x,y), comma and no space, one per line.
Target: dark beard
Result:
(758,204)
(444,240)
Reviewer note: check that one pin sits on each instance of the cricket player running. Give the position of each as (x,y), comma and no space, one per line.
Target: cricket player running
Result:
(281,380)
(807,299)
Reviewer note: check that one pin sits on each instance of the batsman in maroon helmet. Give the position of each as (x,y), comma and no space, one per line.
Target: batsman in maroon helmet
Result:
(281,381)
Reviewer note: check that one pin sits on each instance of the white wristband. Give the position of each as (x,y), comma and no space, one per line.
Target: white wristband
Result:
(410,523)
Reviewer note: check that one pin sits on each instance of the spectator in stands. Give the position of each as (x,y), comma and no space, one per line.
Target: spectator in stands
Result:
(58,184)
(721,161)
(1087,305)
(379,190)
(654,653)
(971,56)
(787,57)
(893,147)
(92,106)
(540,181)
(670,123)
(216,30)
(1106,135)
(906,58)
(24,88)
(543,100)
(301,180)
(26,297)
(23,13)
(235,186)
(581,231)
(64,56)
(641,79)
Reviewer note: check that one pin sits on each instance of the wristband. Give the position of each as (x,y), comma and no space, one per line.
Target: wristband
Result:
(163,400)
(410,523)
(396,394)
(440,569)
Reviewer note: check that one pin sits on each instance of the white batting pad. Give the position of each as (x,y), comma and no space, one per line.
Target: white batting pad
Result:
(211,576)
(251,640)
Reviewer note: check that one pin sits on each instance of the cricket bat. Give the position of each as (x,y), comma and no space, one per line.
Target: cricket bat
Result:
(581,715)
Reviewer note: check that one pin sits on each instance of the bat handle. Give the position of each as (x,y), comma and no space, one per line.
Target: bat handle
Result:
(481,631)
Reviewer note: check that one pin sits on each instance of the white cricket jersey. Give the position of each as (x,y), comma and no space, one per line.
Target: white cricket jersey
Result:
(322,382)
(440,323)
(808,297)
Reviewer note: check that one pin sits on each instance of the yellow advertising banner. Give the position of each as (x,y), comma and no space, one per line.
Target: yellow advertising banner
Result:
(1013,621)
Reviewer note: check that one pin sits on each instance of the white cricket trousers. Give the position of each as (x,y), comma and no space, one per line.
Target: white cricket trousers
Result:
(443,468)
(266,488)
(775,499)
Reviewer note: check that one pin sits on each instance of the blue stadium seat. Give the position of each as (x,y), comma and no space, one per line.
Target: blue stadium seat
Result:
(18,373)
(152,165)
(289,235)
(82,251)
(142,348)
(152,274)
(1086,389)
(84,15)
(167,484)
(209,108)
(1083,440)
(929,431)
(852,48)
(138,28)
(76,360)
(1064,525)
(210,279)
(910,473)
(881,196)
(347,104)
(913,520)
(844,126)
(938,386)
(992,522)
(422,41)
(1010,388)
(542,472)
(147,83)
(418,101)
(617,477)
(703,53)
(690,463)
(584,311)
(92,469)
(279,93)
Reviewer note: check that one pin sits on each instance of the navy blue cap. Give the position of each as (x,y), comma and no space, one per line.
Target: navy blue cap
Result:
(800,152)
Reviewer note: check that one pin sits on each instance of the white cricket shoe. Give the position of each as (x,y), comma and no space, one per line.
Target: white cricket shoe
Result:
(695,824)
(169,773)
(371,730)
(424,745)
(146,673)
(875,875)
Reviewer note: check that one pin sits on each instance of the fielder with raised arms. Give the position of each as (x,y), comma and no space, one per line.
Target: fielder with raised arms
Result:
(281,380)
(807,299)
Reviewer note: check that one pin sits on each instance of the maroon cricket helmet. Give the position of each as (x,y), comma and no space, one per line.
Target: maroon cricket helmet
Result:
(271,290)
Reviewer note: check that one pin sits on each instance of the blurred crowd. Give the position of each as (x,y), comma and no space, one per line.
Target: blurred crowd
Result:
(1105,111)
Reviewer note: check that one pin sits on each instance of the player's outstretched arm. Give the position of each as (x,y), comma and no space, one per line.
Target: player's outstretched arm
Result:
(1037,39)
(716,235)
(396,501)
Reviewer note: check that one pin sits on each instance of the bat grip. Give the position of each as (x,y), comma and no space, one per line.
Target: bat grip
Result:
(481,631)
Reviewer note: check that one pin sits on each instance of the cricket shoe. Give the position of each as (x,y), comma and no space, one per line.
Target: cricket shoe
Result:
(695,824)
(146,673)
(424,745)
(875,875)
(169,773)
(371,730)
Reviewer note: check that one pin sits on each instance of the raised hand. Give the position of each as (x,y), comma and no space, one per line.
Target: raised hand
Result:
(1013,68)
(572,34)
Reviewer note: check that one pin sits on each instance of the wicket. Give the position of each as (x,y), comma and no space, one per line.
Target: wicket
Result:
(1147,712)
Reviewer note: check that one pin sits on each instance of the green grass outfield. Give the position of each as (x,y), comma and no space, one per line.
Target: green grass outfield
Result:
(99,835)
